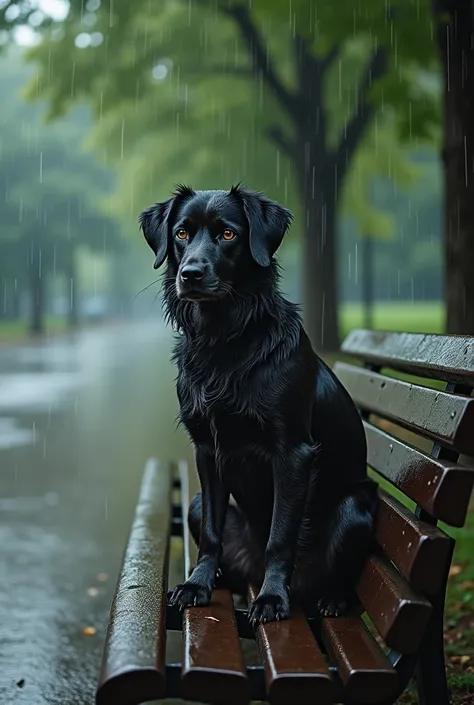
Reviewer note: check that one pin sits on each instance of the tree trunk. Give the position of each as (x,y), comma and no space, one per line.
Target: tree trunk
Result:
(36,292)
(457,55)
(3,299)
(368,280)
(320,290)
(16,301)
(320,170)
(72,289)
(313,167)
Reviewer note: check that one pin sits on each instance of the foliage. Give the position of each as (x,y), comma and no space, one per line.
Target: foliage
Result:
(171,87)
(50,204)
(50,190)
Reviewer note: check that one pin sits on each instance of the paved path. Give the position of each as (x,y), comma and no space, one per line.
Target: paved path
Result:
(78,419)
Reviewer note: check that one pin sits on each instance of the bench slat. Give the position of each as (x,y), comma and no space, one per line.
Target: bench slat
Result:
(441,488)
(133,663)
(364,669)
(213,664)
(190,548)
(446,418)
(450,358)
(398,612)
(295,667)
(420,551)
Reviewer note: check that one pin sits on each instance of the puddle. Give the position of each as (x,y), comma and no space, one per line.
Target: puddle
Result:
(35,391)
(13,436)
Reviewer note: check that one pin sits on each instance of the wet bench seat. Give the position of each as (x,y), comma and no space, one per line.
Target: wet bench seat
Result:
(368,656)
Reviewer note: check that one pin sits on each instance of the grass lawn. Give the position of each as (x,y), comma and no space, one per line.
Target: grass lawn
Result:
(414,318)
(460,615)
(18,330)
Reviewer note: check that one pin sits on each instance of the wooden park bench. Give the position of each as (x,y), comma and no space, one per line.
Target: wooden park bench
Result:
(367,657)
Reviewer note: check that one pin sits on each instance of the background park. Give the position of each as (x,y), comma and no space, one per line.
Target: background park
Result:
(359,116)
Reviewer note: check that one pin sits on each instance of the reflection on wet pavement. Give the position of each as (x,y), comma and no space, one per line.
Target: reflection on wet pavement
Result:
(11,434)
(78,419)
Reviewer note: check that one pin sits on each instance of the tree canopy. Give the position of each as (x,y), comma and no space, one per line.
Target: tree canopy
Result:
(307,101)
(158,75)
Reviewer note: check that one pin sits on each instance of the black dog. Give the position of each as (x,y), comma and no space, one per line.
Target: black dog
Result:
(271,424)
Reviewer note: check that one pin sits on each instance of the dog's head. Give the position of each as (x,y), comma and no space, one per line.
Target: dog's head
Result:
(213,238)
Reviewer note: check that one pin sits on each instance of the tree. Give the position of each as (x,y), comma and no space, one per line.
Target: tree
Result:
(50,204)
(315,101)
(455,30)
(320,170)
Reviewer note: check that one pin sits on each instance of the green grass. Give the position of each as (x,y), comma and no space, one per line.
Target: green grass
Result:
(17,330)
(413,318)
(416,317)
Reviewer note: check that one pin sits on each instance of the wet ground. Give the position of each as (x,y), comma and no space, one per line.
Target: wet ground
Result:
(79,417)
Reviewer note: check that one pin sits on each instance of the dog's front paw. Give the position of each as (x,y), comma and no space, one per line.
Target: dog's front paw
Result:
(269,608)
(332,606)
(190,595)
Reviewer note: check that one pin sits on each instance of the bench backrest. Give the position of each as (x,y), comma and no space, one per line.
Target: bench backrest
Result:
(416,430)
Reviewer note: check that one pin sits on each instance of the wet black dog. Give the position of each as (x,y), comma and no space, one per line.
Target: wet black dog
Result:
(271,424)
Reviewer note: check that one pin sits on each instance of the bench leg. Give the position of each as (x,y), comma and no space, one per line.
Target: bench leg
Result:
(431,679)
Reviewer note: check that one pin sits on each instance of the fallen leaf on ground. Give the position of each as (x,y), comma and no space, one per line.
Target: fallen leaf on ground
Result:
(467,585)
(455,570)
(460,659)
(92,591)
(88,631)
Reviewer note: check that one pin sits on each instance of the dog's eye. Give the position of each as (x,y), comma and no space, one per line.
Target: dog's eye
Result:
(181,234)
(228,234)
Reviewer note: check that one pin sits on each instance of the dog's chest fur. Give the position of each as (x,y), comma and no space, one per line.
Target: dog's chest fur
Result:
(233,368)
(216,413)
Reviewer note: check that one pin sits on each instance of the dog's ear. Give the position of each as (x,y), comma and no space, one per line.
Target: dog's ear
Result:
(154,222)
(268,222)
(154,225)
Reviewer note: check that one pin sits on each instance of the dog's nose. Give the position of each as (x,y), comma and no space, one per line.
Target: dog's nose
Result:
(192,272)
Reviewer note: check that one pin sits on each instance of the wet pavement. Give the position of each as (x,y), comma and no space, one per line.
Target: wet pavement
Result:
(79,417)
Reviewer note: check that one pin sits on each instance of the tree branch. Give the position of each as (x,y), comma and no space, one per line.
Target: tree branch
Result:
(355,128)
(261,62)
(244,72)
(330,57)
(307,68)
(275,133)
